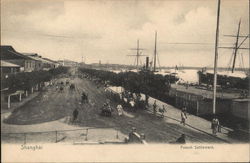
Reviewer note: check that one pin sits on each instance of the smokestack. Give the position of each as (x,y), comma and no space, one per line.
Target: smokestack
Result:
(147,61)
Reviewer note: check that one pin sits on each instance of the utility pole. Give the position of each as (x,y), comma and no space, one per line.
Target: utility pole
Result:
(155,51)
(216,58)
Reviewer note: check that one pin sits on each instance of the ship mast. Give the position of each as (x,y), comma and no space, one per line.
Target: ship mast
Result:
(236,45)
(155,52)
(138,53)
(216,58)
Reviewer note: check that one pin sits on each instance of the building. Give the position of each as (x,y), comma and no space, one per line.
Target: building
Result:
(42,63)
(200,101)
(8,68)
(9,54)
(38,61)
(67,63)
(52,64)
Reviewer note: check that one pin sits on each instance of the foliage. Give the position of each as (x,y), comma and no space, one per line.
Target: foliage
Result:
(143,82)
(26,80)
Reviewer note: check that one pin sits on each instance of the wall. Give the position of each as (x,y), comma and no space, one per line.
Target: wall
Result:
(206,106)
(29,65)
(240,108)
(197,105)
(38,65)
(9,70)
(185,99)
(19,62)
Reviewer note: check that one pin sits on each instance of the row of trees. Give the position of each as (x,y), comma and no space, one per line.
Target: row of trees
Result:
(26,80)
(146,82)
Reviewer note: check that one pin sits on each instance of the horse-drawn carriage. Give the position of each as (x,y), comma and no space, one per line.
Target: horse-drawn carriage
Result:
(72,87)
(133,104)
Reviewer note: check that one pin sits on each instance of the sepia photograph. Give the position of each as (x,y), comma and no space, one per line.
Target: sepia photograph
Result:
(125,80)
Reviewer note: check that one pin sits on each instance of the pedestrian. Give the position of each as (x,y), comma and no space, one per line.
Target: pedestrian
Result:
(219,126)
(75,114)
(183,118)
(162,110)
(119,109)
(181,139)
(214,126)
(154,107)
(184,109)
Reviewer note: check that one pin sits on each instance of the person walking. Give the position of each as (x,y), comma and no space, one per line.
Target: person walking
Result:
(214,126)
(162,110)
(219,126)
(184,109)
(217,123)
(75,114)
(183,118)
(154,107)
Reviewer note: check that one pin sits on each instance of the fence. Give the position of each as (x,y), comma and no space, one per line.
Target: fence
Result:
(74,135)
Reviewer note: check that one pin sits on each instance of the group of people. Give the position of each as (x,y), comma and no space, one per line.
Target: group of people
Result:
(163,110)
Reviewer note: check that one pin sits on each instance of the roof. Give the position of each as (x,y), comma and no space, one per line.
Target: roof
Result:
(36,57)
(31,54)
(8,52)
(50,60)
(8,64)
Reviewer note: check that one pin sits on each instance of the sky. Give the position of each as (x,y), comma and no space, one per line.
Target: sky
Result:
(98,30)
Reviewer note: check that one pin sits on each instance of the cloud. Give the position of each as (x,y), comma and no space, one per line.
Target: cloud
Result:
(106,30)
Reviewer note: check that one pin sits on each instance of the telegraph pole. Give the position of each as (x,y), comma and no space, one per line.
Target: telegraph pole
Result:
(216,58)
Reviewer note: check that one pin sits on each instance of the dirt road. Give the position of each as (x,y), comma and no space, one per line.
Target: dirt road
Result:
(54,104)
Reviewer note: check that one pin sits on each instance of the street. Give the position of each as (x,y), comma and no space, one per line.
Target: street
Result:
(53,105)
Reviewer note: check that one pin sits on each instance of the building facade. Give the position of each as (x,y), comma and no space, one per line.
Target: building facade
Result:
(9,54)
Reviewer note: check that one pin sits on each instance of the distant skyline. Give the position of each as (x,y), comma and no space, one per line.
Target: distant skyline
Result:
(106,30)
